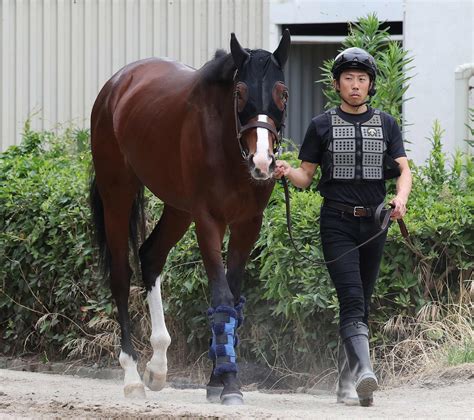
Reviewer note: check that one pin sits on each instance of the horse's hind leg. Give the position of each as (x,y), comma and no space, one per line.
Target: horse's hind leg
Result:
(117,215)
(169,230)
(115,190)
(117,205)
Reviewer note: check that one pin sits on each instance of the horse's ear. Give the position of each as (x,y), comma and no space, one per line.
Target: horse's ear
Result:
(283,50)
(238,53)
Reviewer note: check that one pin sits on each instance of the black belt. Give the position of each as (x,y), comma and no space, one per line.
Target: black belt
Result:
(357,211)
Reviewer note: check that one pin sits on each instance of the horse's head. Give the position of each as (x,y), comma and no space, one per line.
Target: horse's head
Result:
(260,96)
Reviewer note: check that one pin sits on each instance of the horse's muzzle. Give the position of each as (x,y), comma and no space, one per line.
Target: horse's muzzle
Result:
(261,169)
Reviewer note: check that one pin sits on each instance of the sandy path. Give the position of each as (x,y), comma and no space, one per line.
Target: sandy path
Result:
(28,394)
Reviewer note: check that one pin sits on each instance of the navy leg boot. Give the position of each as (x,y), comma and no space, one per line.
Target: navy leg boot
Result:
(224,323)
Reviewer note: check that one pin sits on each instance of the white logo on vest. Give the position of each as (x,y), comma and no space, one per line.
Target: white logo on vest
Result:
(371,132)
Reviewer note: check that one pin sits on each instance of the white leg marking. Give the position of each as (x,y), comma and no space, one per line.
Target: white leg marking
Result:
(261,159)
(133,384)
(157,367)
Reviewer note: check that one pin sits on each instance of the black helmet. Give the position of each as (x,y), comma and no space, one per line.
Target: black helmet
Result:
(355,58)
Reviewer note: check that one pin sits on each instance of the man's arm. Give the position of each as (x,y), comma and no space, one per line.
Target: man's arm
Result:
(300,177)
(404,182)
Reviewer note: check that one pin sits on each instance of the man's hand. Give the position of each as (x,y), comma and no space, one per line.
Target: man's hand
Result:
(399,209)
(403,189)
(282,168)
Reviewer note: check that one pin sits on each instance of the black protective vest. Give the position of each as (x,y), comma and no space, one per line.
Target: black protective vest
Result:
(357,151)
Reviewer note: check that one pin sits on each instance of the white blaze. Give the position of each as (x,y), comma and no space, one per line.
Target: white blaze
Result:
(262,159)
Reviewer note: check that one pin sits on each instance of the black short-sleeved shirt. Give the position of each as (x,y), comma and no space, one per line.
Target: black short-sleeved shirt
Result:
(369,193)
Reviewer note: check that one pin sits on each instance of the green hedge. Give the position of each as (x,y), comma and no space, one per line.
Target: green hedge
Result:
(46,270)
(52,298)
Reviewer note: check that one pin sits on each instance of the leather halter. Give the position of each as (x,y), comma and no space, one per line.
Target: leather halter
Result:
(240,129)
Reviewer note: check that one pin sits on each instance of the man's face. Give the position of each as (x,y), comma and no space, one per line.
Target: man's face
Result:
(353,86)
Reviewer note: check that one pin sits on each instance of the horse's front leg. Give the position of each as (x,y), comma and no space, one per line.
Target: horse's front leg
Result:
(242,239)
(222,313)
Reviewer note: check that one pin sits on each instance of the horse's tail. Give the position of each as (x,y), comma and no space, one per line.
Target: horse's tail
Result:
(136,226)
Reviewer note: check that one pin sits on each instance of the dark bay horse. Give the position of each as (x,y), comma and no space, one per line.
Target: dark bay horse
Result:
(203,141)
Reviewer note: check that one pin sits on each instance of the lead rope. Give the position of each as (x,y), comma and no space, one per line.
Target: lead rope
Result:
(382,225)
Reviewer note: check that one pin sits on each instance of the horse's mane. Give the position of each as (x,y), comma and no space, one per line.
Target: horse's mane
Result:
(220,69)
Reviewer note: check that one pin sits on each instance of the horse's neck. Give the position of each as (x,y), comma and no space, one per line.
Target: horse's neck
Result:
(221,116)
(220,138)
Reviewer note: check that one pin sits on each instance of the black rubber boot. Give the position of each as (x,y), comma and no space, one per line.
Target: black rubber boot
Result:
(346,392)
(355,337)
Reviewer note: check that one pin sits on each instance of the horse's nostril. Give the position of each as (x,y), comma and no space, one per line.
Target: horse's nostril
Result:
(257,172)
(272,164)
(250,161)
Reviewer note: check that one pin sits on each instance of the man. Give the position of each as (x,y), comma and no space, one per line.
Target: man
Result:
(357,148)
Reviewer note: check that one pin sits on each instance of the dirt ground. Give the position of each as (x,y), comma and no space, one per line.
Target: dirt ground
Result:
(31,395)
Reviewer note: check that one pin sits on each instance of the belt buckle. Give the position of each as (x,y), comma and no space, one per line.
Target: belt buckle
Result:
(356,208)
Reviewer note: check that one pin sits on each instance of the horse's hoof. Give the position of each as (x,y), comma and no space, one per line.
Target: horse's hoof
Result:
(232,399)
(154,381)
(136,390)
(213,393)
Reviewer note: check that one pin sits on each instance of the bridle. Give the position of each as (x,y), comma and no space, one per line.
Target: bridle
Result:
(240,129)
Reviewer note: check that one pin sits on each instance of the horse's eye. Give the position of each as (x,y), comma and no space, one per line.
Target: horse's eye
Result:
(280,95)
(241,91)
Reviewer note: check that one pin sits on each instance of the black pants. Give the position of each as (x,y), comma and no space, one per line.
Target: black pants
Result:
(355,274)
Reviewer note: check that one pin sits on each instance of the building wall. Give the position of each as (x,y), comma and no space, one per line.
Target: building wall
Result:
(440,36)
(306,96)
(309,52)
(331,11)
(56,54)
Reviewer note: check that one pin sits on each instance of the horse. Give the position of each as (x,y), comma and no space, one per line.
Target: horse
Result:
(204,142)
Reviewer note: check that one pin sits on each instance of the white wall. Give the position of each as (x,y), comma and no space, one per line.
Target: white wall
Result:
(55,55)
(331,11)
(440,35)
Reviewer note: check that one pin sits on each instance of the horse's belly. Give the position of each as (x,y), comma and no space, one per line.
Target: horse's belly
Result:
(161,177)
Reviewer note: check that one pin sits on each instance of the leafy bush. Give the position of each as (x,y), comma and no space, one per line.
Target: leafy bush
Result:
(46,270)
(52,299)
